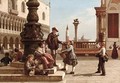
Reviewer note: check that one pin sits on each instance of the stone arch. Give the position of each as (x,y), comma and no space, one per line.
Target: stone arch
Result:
(113,8)
(7,23)
(10,24)
(11,43)
(5,42)
(2,20)
(23,6)
(17,42)
(43,16)
(13,24)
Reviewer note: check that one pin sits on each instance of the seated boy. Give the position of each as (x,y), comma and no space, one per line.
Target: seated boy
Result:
(6,60)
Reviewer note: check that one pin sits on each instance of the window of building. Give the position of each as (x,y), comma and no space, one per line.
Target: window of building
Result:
(23,7)
(0,1)
(13,4)
(113,25)
(43,16)
(12,7)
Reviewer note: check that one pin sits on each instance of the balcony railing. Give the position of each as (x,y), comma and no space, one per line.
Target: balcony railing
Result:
(85,48)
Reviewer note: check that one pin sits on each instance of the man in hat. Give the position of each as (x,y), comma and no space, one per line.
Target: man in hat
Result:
(53,43)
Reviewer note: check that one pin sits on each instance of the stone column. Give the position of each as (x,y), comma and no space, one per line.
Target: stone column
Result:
(76,22)
(31,35)
(8,46)
(100,13)
(14,45)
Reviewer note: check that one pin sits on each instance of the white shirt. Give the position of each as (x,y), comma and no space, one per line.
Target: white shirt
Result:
(103,50)
(41,50)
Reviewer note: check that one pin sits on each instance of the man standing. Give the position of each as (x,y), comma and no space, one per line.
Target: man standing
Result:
(101,64)
(53,43)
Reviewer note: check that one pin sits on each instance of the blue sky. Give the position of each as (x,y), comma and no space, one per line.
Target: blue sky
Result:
(63,12)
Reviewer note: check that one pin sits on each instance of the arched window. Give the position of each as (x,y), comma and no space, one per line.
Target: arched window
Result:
(43,16)
(13,4)
(23,7)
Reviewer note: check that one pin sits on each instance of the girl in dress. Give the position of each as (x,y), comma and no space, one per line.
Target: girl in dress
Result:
(70,58)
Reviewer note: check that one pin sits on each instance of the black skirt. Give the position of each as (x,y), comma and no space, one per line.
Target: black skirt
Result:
(70,61)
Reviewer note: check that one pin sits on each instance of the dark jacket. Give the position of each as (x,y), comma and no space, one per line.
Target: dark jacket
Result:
(6,60)
(52,41)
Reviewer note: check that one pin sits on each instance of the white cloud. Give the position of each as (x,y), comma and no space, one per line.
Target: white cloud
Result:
(87,24)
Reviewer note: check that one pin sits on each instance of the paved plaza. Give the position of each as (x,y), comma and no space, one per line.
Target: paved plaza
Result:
(85,72)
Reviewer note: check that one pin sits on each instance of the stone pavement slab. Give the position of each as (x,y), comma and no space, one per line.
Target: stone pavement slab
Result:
(57,76)
(85,73)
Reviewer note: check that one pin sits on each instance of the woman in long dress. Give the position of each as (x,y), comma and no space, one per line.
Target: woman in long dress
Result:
(114,51)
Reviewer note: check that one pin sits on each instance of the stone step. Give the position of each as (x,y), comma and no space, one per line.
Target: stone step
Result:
(17,64)
(52,70)
(11,70)
(58,76)
(14,70)
(21,65)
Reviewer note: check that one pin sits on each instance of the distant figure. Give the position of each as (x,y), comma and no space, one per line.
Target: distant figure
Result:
(2,49)
(53,43)
(114,51)
(6,60)
(70,57)
(17,55)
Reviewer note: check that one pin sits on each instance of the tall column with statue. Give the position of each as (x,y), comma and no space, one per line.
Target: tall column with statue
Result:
(76,22)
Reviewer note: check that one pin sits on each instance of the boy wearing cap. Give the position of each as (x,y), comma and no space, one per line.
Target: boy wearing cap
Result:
(53,43)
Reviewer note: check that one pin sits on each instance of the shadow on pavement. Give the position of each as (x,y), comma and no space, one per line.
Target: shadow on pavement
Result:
(88,74)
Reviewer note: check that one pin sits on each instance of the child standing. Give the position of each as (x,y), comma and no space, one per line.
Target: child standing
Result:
(70,58)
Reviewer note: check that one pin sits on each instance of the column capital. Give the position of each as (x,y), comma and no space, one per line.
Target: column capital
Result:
(100,11)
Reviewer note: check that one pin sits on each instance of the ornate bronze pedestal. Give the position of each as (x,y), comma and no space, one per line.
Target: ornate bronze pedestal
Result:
(31,34)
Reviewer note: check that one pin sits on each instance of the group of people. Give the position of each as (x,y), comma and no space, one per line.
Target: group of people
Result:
(41,60)
(12,56)
(42,57)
